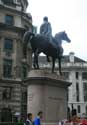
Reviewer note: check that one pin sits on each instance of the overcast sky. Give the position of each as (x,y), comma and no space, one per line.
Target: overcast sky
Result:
(68,15)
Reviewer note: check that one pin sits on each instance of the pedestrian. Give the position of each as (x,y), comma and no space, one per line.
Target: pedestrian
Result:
(29,120)
(37,120)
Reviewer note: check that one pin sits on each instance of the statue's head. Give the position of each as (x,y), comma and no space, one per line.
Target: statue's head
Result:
(45,19)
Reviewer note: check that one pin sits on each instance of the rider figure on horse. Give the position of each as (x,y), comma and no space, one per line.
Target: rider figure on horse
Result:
(46,29)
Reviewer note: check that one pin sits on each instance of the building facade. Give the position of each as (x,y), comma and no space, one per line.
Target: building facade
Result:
(74,70)
(13,67)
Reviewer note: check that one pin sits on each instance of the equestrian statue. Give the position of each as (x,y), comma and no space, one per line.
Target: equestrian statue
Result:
(41,43)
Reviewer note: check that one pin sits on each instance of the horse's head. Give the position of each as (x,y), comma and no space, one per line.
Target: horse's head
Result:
(62,36)
(65,37)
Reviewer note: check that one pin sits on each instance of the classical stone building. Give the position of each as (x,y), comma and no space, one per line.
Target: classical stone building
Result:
(75,71)
(13,68)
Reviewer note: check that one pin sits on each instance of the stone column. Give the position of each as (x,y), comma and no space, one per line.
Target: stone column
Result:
(47,92)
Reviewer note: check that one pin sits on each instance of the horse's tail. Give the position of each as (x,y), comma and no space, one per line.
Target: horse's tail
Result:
(27,36)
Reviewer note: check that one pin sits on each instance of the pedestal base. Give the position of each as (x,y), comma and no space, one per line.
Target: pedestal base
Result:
(47,92)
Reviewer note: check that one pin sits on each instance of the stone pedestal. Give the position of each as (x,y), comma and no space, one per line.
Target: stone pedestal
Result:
(47,92)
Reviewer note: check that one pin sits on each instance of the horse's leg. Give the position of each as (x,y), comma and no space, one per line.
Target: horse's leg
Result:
(34,62)
(48,60)
(53,64)
(36,58)
(59,60)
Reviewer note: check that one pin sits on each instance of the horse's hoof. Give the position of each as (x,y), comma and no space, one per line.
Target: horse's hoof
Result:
(52,72)
(34,66)
(38,68)
(60,73)
(48,60)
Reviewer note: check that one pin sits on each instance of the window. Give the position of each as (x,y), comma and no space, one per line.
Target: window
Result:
(84,75)
(85,91)
(24,71)
(7,68)
(6,115)
(77,75)
(8,44)
(23,110)
(24,103)
(9,20)
(7,91)
(24,97)
(78,108)
(77,92)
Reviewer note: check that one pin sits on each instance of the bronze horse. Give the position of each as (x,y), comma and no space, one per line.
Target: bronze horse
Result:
(40,43)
